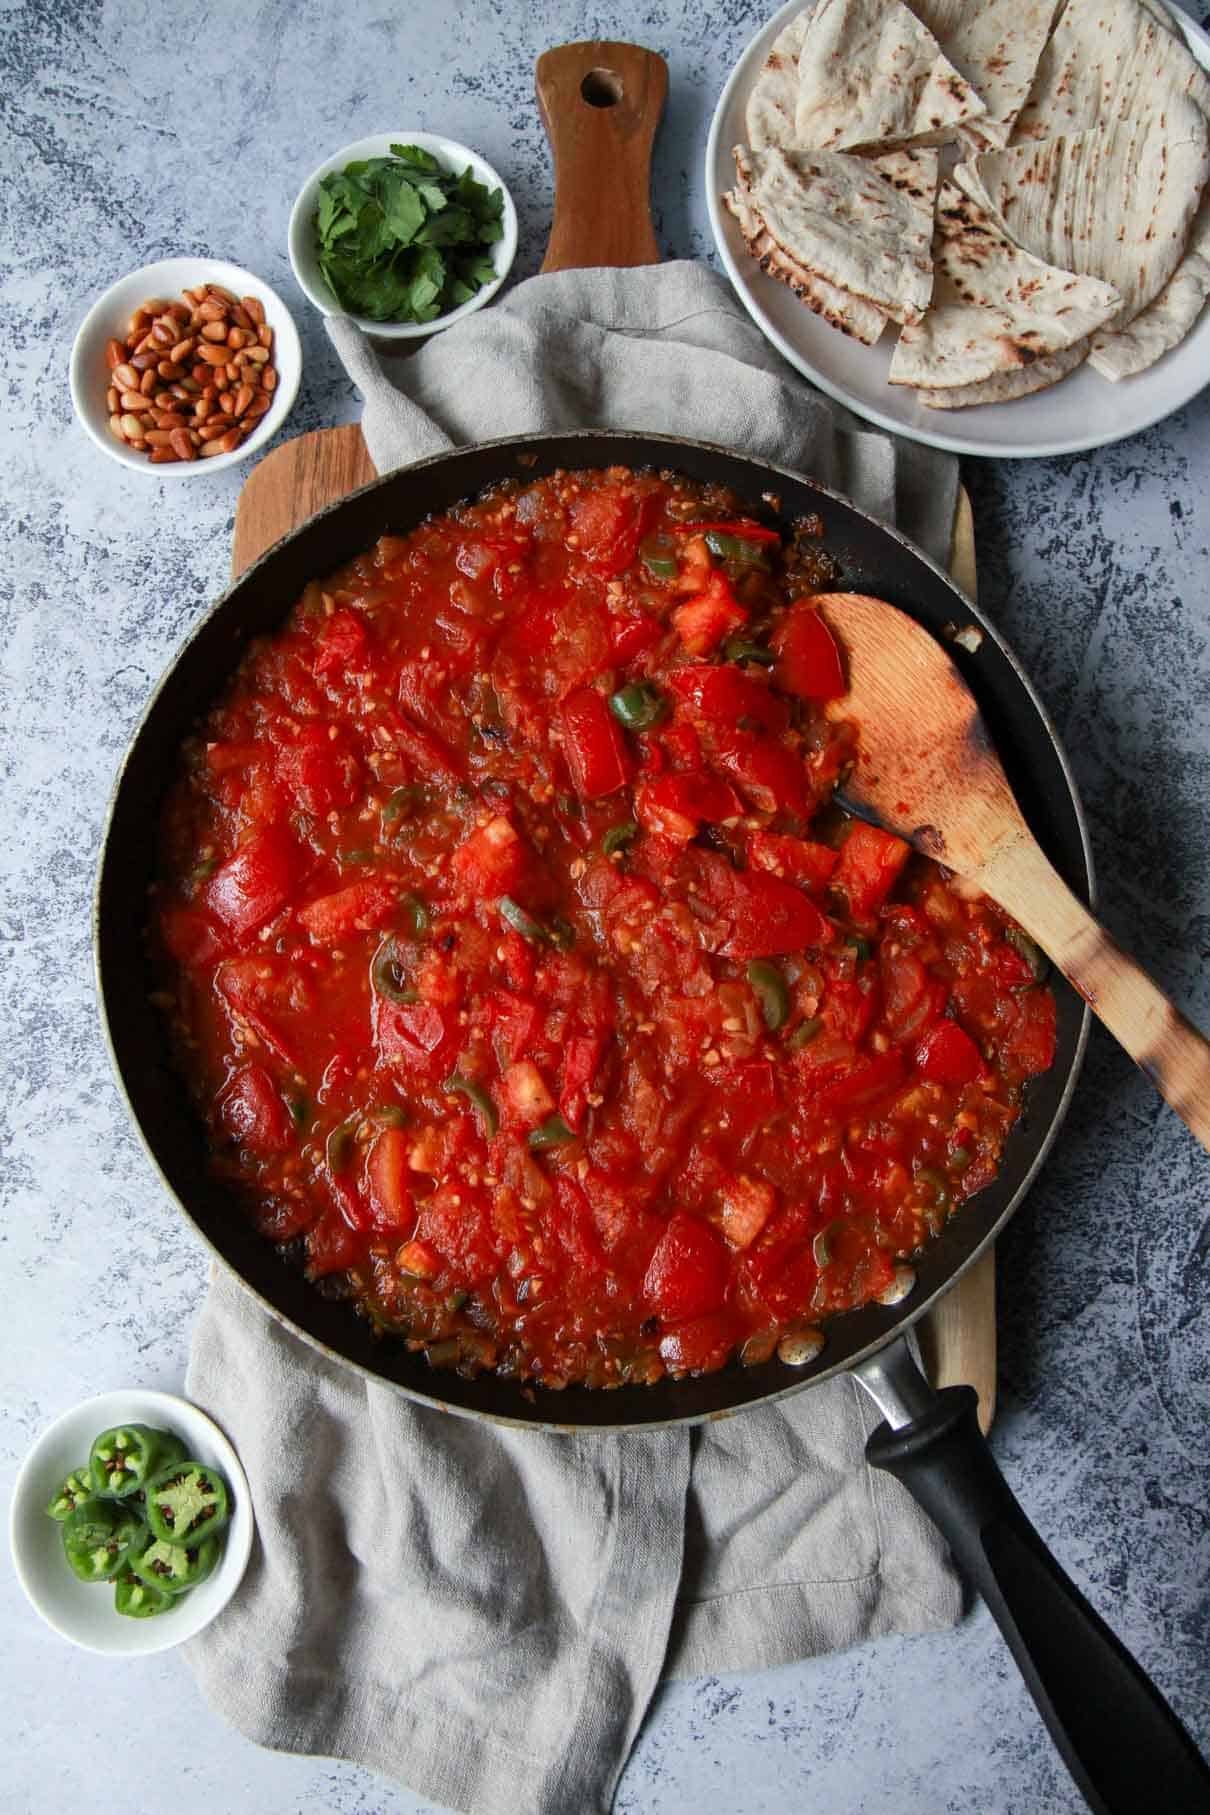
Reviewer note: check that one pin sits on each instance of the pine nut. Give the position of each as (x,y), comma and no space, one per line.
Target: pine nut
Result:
(193,376)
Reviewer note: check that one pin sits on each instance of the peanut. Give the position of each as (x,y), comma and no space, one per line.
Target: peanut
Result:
(192,376)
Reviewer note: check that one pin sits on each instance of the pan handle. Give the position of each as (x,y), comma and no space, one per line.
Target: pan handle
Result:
(1117,1735)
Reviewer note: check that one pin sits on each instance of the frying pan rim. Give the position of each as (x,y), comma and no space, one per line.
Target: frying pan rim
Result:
(905,1319)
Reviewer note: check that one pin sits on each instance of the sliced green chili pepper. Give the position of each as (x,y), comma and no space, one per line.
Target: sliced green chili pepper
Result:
(521,922)
(1038,962)
(861,947)
(100,1537)
(660,563)
(552,1133)
(477,1097)
(821,1247)
(562,934)
(771,992)
(619,836)
(363,854)
(338,1148)
(739,649)
(444,1354)
(125,1458)
(736,548)
(401,805)
(300,1112)
(418,917)
(186,1502)
(175,1567)
(569,806)
(389,1115)
(387,973)
(139,1600)
(77,1488)
(638,706)
(804,1033)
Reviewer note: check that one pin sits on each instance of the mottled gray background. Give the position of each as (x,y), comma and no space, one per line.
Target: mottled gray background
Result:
(132,131)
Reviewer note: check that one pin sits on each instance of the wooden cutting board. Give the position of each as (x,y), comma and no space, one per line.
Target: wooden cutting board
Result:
(601,104)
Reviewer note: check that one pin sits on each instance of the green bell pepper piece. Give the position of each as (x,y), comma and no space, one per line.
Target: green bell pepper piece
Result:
(139,1600)
(124,1458)
(187,1501)
(75,1490)
(100,1537)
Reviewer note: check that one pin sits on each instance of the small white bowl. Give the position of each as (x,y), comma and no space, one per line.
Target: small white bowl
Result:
(453,157)
(83,1611)
(107,320)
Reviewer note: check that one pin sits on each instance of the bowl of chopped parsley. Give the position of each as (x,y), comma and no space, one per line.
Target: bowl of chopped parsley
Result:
(405,232)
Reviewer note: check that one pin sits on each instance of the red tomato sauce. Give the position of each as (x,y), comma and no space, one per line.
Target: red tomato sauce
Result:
(536,994)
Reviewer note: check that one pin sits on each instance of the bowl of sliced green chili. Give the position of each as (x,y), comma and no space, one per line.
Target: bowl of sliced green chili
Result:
(131,1523)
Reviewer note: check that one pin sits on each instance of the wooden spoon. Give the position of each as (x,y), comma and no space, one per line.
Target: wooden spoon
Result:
(927,770)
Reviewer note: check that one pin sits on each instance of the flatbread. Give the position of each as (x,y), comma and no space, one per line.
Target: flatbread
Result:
(871,76)
(1006,385)
(1114,202)
(995,308)
(1164,323)
(841,219)
(769,117)
(996,44)
(1106,59)
(859,319)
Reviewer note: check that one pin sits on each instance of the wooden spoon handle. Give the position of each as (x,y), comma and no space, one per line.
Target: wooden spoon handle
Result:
(601,104)
(1158,1037)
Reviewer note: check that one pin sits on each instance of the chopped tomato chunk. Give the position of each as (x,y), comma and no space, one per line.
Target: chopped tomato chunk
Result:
(254,1114)
(593,745)
(946,1055)
(359,908)
(254,884)
(688,1273)
(870,862)
(387,1176)
(808,661)
(676,805)
(491,862)
(703,621)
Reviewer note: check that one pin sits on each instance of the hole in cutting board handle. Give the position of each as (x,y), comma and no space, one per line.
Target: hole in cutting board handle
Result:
(601,88)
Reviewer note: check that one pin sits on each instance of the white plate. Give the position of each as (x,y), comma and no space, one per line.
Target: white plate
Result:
(1083,411)
(454,157)
(83,1611)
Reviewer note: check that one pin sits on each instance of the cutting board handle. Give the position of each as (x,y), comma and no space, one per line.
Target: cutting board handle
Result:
(601,104)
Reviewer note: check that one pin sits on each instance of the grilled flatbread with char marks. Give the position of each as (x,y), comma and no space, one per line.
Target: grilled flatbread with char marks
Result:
(859,319)
(995,308)
(1006,385)
(872,77)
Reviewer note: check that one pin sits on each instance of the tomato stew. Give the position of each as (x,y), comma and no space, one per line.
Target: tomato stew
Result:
(536,993)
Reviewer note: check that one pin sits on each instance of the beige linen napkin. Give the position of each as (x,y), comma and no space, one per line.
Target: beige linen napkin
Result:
(484,1613)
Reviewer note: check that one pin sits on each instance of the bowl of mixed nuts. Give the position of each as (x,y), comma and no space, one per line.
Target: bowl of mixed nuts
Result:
(185,366)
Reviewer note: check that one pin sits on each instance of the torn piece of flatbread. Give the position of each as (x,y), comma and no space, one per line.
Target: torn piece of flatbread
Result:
(1164,323)
(1106,59)
(1114,202)
(859,319)
(1006,385)
(996,45)
(995,308)
(839,218)
(769,116)
(871,75)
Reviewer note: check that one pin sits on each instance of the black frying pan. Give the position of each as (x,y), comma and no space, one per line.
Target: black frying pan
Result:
(1120,1739)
